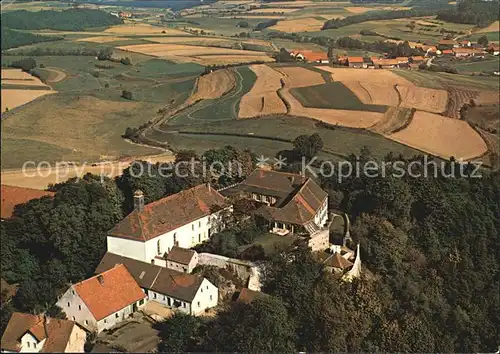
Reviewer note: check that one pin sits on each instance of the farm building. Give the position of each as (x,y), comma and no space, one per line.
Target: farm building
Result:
(447,44)
(355,62)
(184,219)
(182,259)
(465,43)
(35,333)
(468,52)
(317,57)
(100,302)
(494,49)
(290,203)
(447,52)
(402,60)
(188,293)
(416,59)
(386,63)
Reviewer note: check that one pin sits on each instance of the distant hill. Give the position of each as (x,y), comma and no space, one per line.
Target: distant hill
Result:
(13,39)
(68,20)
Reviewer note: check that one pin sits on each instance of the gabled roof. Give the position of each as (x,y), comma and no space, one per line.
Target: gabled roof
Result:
(337,261)
(316,56)
(109,292)
(247,296)
(169,213)
(418,58)
(55,331)
(446,41)
(166,281)
(355,59)
(448,51)
(12,196)
(180,255)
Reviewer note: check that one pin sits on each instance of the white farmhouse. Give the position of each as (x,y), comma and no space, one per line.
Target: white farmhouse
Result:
(188,293)
(184,219)
(34,333)
(181,259)
(104,300)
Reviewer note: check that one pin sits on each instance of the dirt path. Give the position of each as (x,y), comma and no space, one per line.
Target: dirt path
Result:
(60,75)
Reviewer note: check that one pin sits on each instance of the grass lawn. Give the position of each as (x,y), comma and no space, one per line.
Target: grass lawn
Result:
(492,36)
(271,242)
(333,95)
(487,64)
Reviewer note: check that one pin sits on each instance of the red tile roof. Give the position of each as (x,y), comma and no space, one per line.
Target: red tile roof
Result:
(337,261)
(169,213)
(247,296)
(180,255)
(355,59)
(55,331)
(12,196)
(109,292)
(418,58)
(316,56)
(446,41)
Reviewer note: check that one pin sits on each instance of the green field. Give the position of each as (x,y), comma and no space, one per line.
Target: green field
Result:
(492,36)
(333,95)
(247,134)
(492,64)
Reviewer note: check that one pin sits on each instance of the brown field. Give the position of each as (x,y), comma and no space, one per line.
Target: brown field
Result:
(197,54)
(100,39)
(394,119)
(361,10)
(195,40)
(374,92)
(457,98)
(308,24)
(36,82)
(494,27)
(301,77)
(15,98)
(263,99)
(371,76)
(423,99)
(487,97)
(441,136)
(214,85)
(272,10)
(16,74)
(138,29)
(263,17)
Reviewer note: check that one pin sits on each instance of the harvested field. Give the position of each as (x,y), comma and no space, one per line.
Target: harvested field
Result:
(423,99)
(139,29)
(301,77)
(16,74)
(272,10)
(214,85)
(308,24)
(441,136)
(457,98)
(372,76)
(357,9)
(486,117)
(395,119)
(487,97)
(194,40)
(12,98)
(30,83)
(100,39)
(374,93)
(198,54)
(263,98)
(494,27)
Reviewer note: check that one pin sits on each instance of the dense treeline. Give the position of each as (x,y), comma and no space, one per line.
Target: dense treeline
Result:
(67,20)
(377,1)
(475,12)
(376,16)
(261,25)
(13,39)
(429,248)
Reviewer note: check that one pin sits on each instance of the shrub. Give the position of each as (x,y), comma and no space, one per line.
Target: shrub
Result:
(127,94)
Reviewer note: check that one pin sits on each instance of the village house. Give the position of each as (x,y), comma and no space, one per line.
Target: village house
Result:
(290,203)
(386,63)
(184,219)
(447,52)
(416,59)
(104,300)
(465,43)
(494,49)
(447,44)
(246,296)
(181,259)
(355,62)
(468,52)
(38,333)
(188,293)
(317,57)
(402,60)
(12,196)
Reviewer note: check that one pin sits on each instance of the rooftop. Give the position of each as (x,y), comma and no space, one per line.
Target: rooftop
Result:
(12,196)
(109,292)
(180,255)
(55,331)
(355,59)
(169,213)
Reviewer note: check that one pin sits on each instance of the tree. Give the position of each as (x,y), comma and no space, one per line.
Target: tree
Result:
(25,64)
(178,333)
(127,95)
(125,61)
(243,24)
(483,40)
(307,146)
(411,25)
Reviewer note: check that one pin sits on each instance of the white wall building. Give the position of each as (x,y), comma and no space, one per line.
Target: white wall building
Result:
(184,219)
(104,300)
(188,293)
(27,333)
(181,259)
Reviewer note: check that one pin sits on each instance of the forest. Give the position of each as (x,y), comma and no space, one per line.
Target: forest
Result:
(429,249)
(376,16)
(67,20)
(13,39)
(475,12)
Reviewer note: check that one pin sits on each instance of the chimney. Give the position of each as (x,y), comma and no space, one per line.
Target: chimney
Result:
(100,279)
(138,200)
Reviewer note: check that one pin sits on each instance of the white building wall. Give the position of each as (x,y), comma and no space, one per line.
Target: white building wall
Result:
(76,340)
(118,316)
(76,310)
(127,248)
(29,344)
(170,302)
(186,268)
(321,216)
(206,297)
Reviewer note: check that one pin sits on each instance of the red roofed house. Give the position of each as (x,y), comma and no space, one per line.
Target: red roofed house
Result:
(447,52)
(34,333)
(184,219)
(355,62)
(12,196)
(104,300)
(494,49)
(468,52)
(316,57)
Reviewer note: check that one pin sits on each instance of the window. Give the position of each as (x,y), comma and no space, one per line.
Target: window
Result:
(141,302)
(207,287)
(154,295)
(69,304)
(105,321)
(158,247)
(192,227)
(199,223)
(73,292)
(201,290)
(29,344)
(73,318)
(199,237)
(184,304)
(175,239)
(80,307)
(210,297)
(116,315)
(198,304)
(86,322)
